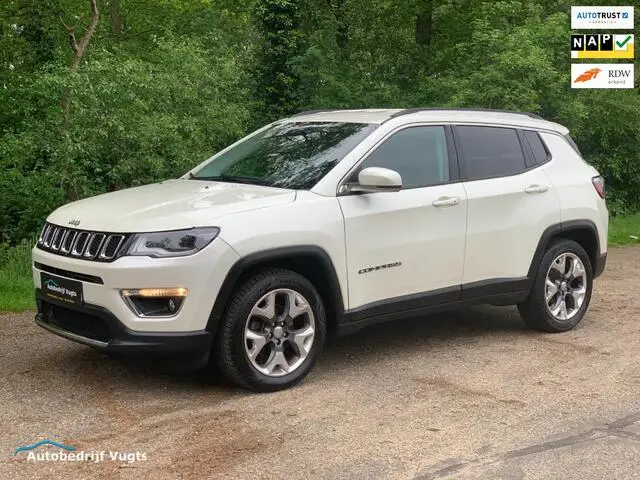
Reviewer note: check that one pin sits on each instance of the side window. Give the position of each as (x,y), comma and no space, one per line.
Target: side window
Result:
(538,149)
(490,152)
(569,139)
(418,154)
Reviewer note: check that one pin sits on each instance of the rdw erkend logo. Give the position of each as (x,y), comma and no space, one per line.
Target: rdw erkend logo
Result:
(608,75)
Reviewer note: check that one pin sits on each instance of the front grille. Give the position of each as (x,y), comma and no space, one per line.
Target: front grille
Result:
(68,241)
(94,244)
(83,244)
(57,239)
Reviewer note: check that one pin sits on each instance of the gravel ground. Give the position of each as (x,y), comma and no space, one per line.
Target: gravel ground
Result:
(469,394)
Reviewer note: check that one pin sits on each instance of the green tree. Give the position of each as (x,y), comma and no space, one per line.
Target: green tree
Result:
(162,84)
(279,26)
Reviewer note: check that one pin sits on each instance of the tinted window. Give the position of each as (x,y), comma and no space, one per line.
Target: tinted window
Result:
(572,143)
(288,155)
(539,151)
(490,151)
(418,154)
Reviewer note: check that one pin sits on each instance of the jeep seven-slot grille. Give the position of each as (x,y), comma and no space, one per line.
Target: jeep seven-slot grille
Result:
(97,246)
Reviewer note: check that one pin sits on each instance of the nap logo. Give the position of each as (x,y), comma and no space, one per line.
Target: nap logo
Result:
(606,75)
(602,46)
(617,18)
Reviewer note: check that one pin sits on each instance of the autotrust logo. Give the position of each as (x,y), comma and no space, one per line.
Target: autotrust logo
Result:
(601,15)
(604,17)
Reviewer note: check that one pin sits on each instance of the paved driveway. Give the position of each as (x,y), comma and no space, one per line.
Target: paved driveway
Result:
(469,394)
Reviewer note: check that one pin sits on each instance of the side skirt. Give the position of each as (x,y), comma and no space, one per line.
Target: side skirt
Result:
(496,292)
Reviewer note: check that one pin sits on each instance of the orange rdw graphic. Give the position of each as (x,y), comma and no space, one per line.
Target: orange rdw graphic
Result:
(588,75)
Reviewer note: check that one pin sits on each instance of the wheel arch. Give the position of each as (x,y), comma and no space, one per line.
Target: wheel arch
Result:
(583,232)
(310,261)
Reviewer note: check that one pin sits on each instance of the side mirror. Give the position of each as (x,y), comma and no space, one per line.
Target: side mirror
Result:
(377,179)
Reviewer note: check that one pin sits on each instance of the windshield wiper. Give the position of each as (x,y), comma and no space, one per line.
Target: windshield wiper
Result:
(233,179)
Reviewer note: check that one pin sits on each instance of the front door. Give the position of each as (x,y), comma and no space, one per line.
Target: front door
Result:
(411,241)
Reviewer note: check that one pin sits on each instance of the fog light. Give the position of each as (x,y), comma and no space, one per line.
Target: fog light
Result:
(155,302)
(156,292)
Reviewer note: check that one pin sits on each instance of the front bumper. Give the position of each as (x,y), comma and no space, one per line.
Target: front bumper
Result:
(102,282)
(97,327)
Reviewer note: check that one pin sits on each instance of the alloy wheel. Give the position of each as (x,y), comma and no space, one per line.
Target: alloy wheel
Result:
(279,332)
(565,286)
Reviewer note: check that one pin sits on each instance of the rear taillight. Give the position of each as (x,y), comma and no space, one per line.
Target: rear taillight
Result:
(598,183)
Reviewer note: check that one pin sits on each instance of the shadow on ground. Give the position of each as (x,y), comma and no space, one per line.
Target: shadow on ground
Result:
(463,326)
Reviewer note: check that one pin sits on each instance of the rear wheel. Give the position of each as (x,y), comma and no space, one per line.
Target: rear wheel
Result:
(562,290)
(272,332)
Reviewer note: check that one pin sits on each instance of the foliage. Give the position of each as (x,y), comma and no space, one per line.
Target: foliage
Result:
(625,230)
(16,285)
(163,84)
(135,116)
(278,23)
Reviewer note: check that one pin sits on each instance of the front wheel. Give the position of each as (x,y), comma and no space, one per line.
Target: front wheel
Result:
(272,332)
(562,290)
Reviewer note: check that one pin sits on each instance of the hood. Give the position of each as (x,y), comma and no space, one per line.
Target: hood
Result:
(167,205)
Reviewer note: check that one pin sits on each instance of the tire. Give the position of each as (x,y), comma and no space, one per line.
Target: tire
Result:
(293,337)
(537,311)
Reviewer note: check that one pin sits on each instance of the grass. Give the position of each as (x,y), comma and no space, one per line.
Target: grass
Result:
(16,284)
(624,230)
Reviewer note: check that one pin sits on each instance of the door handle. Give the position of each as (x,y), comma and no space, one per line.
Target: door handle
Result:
(536,189)
(446,202)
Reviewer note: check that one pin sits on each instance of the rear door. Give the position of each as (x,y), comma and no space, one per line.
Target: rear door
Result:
(510,204)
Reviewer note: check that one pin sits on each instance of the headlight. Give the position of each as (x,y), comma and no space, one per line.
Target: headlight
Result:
(176,243)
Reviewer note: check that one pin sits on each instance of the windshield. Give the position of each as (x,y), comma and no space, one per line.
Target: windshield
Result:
(286,155)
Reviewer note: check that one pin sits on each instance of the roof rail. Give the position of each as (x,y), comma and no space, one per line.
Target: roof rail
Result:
(309,112)
(408,111)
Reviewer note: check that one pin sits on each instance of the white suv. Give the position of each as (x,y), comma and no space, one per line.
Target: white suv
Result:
(329,221)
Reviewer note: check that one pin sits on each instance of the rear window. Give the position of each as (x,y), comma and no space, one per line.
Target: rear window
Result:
(490,152)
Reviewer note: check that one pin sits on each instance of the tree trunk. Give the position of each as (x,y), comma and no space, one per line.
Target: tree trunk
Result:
(342,35)
(78,48)
(117,25)
(424,24)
